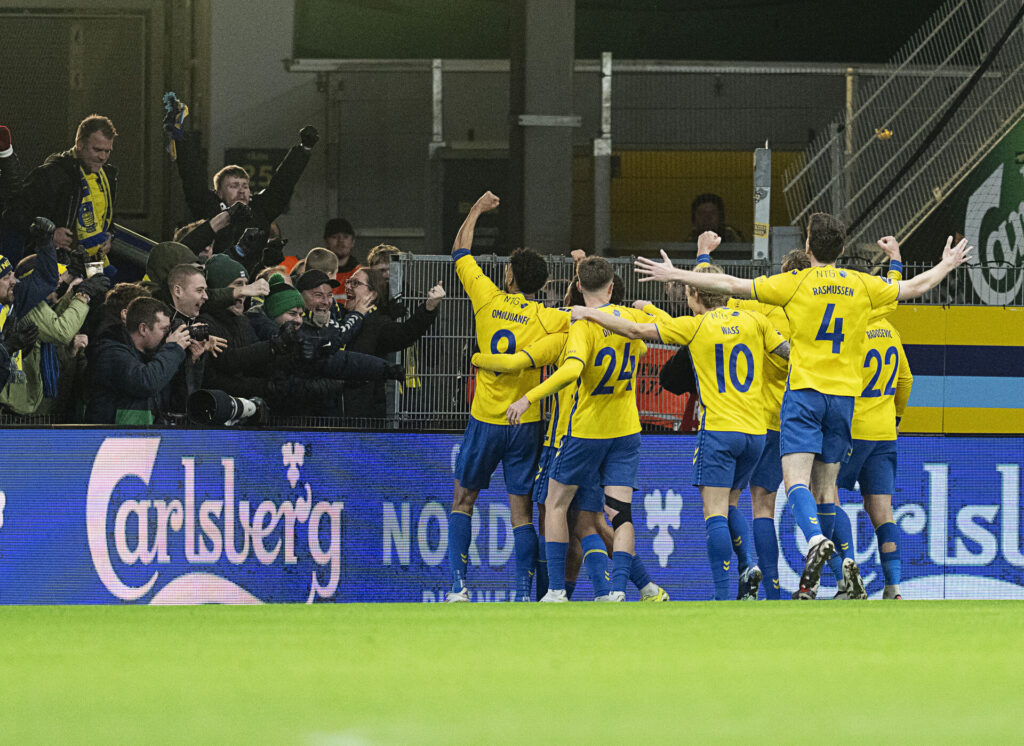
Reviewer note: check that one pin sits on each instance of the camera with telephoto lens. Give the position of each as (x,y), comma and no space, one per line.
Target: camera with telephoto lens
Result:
(199,332)
(214,407)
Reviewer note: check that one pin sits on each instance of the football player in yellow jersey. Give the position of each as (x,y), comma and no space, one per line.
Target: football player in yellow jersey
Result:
(589,498)
(505,321)
(728,347)
(887,382)
(828,310)
(602,429)
(767,475)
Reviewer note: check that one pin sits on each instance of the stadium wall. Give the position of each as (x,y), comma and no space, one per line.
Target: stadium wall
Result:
(967,363)
(163,517)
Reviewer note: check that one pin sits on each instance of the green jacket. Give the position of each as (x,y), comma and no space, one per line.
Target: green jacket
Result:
(57,325)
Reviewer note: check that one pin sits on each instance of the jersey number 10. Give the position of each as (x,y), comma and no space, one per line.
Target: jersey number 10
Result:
(734,357)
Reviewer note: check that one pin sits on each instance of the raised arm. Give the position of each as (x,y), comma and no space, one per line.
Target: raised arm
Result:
(464,238)
(663,271)
(952,257)
(617,324)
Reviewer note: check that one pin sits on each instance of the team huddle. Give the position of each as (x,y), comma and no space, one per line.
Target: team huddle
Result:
(801,380)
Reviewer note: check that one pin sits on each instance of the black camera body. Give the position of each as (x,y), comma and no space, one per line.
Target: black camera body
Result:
(199,331)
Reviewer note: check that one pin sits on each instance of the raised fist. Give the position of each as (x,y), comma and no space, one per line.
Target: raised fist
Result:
(309,136)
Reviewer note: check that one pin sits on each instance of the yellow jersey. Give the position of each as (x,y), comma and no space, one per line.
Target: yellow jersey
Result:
(728,348)
(828,311)
(887,381)
(776,369)
(601,368)
(505,323)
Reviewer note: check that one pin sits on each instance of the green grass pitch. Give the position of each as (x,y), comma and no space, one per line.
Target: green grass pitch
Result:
(922,672)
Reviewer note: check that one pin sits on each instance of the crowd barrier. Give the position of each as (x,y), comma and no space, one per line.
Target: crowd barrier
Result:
(221,516)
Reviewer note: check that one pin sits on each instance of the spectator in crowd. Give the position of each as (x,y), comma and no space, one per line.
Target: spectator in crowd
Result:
(380,335)
(707,213)
(11,180)
(316,288)
(165,256)
(231,185)
(379,259)
(340,238)
(323,260)
(134,366)
(76,189)
(33,389)
(200,235)
(13,341)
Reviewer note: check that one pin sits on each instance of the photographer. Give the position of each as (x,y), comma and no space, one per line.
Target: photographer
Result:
(134,365)
(167,255)
(231,183)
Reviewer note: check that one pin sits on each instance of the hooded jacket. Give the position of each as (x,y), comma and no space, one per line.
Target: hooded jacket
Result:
(54,190)
(166,256)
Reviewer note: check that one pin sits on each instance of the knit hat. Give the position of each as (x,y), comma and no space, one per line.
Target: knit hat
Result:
(5,265)
(282,297)
(222,270)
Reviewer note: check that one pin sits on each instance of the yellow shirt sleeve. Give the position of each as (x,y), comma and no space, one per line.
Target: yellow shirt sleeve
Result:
(772,339)
(503,363)
(777,290)
(554,320)
(478,285)
(659,314)
(568,372)
(881,292)
(680,330)
(904,379)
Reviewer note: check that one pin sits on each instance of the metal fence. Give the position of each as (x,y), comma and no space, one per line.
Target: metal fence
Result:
(908,136)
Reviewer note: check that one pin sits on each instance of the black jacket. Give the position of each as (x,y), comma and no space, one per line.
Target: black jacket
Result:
(266,204)
(246,367)
(381,335)
(125,382)
(54,190)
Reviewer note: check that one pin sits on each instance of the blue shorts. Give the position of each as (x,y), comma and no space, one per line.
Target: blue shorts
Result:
(768,472)
(873,464)
(613,461)
(818,423)
(484,446)
(725,459)
(588,496)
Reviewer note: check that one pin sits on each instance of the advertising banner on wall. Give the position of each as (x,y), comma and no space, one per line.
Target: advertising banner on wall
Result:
(165,517)
(987,208)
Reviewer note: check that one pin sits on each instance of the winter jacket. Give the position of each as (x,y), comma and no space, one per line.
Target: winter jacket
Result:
(54,190)
(127,387)
(381,335)
(266,204)
(166,256)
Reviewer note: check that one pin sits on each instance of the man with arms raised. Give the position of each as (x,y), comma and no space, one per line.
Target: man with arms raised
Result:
(828,309)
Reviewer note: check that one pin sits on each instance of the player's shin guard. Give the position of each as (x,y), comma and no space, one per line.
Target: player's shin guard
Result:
(621,563)
(524,539)
(767,544)
(719,552)
(542,568)
(739,533)
(556,551)
(638,574)
(460,533)
(595,562)
(888,533)
(805,510)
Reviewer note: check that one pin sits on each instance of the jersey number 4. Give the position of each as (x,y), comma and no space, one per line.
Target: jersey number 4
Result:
(892,357)
(835,336)
(625,373)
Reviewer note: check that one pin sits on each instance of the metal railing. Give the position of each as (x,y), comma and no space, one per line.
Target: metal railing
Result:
(908,137)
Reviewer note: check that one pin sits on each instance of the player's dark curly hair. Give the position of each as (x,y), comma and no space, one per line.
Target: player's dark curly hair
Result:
(529,270)
(796,259)
(826,235)
(618,290)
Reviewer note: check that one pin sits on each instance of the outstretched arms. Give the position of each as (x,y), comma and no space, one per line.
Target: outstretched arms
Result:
(952,257)
(664,271)
(617,324)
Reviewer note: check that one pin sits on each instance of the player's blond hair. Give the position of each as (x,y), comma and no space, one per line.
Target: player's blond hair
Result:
(707,298)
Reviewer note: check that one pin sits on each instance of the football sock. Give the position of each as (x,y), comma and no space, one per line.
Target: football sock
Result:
(460,533)
(556,551)
(542,568)
(719,552)
(767,544)
(570,586)
(621,563)
(827,519)
(805,510)
(739,532)
(842,537)
(524,539)
(638,574)
(891,565)
(595,562)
